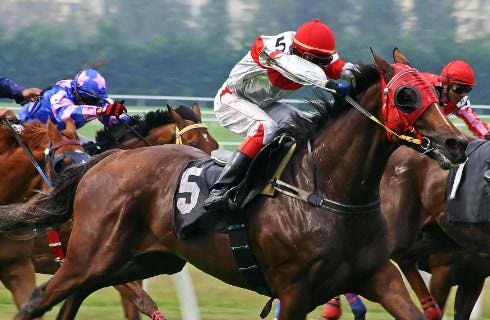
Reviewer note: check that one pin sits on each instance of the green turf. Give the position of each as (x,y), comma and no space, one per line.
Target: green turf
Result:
(217,301)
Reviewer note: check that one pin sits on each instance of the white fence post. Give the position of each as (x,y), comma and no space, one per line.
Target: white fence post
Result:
(187,296)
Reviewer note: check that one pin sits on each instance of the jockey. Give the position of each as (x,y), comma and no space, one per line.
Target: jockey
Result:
(299,58)
(453,86)
(82,99)
(9,89)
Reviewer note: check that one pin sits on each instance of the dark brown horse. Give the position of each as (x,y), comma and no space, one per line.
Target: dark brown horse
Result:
(413,194)
(302,249)
(182,125)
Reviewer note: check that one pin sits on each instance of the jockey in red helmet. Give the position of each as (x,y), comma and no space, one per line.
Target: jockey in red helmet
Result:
(453,85)
(274,67)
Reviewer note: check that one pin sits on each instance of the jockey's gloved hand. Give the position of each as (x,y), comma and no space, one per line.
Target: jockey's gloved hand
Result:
(487,136)
(339,88)
(114,109)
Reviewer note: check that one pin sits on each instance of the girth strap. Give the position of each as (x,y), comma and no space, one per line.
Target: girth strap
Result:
(317,201)
(245,260)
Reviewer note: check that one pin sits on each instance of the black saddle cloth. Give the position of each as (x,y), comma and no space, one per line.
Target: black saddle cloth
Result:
(471,203)
(199,176)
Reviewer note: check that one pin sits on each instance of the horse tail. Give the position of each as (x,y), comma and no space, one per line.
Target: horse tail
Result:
(48,208)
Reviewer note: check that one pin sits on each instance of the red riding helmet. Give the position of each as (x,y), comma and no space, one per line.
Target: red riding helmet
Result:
(314,37)
(458,72)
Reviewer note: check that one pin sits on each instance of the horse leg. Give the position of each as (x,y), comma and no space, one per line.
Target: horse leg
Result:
(132,292)
(387,288)
(130,289)
(86,265)
(131,311)
(137,300)
(440,284)
(295,301)
(31,303)
(466,297)
(72,304)
(429,304)
(19,279)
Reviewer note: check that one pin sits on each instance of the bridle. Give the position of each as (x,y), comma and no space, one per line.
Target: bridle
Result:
(396,122)
(180,132)
(52,159)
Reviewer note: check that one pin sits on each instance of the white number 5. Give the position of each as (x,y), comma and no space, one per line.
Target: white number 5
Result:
(188,187)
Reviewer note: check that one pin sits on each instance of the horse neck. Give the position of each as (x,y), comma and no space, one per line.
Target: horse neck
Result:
(350,156)
(164,134)
(36,139)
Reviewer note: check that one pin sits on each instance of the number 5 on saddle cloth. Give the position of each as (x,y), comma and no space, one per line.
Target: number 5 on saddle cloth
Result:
(199,176)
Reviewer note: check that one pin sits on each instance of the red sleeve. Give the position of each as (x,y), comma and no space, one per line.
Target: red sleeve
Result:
(334,69)
(257,48)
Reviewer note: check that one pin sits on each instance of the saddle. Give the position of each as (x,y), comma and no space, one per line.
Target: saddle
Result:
(198,177)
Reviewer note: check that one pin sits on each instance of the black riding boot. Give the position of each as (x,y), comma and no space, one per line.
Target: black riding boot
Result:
(230,177)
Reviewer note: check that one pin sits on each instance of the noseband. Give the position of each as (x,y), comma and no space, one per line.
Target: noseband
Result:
(179,133)
(54,159)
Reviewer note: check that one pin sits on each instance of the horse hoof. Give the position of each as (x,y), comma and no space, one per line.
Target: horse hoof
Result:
(432,309)
(156,315)
(332,310)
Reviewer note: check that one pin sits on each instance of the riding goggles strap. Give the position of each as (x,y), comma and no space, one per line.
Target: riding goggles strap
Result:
(179,133)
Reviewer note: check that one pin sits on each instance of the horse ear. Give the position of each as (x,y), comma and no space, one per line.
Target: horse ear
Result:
(399,57)
(197,111)
(175,116)
(53,132)
(383,66)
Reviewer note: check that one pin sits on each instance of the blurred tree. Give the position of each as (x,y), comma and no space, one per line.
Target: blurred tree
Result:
(189,47)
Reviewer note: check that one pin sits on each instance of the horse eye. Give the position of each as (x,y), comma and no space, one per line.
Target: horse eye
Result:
(407,99)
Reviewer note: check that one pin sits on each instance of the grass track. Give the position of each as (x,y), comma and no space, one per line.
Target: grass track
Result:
(217,301)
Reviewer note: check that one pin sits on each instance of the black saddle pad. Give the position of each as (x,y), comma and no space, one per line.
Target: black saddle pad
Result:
(194,184)
(200,175)
(468,196)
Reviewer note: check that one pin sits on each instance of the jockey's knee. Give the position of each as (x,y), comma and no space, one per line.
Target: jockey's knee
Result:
(268,128)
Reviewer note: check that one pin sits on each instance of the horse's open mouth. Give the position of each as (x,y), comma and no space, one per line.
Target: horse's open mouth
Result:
(444,162)
(448,153)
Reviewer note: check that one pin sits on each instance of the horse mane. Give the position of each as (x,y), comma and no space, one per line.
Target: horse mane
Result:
(105,138)
(327,108)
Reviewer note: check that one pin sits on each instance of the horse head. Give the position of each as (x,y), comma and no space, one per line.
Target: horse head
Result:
(191,130)
(411,109)
(63,149)
(180,126)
